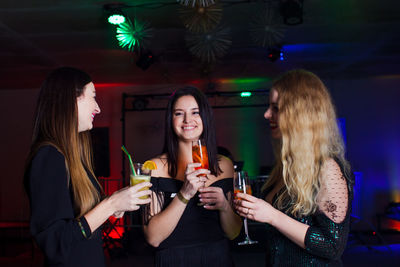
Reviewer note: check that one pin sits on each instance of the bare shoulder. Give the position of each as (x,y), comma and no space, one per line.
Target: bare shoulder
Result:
(162,166)
(226,166)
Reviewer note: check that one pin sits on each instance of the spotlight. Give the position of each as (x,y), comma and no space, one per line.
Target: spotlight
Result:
(292,11)
(145,60)
(115,15)
(274,53)
(139,104)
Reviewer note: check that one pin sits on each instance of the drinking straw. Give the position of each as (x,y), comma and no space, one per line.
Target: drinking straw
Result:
(130,159)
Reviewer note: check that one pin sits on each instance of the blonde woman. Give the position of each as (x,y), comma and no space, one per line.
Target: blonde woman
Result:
(308,197)
(67,206)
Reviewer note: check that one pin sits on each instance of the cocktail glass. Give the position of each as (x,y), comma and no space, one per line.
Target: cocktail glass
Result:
(141,175)
(241,184)
(199,154)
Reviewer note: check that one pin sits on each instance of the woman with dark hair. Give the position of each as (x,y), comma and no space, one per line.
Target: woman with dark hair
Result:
(67,205)
(307,202)
(184,232)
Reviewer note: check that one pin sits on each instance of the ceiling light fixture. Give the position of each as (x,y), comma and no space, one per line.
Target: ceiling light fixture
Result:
(134,35)
(292,11)
(192,3)
(114,12)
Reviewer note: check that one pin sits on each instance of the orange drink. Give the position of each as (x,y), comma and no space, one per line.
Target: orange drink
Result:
(237,190)
(199,155)
(248,189)
(240,182)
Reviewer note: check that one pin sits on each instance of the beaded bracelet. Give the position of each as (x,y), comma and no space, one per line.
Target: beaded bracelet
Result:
(182,198)
(82,229)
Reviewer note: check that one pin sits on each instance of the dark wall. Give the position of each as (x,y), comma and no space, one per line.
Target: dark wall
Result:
(369,107)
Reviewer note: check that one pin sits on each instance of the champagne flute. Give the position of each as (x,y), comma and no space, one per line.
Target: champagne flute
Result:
(241,184)
(199,155)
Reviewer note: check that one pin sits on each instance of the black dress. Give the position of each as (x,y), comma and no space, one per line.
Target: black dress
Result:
(53,224)
(198,239)
(325,240)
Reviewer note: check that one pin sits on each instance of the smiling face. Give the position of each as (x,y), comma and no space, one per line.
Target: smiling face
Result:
(272,115)
(87,108)
(186,120)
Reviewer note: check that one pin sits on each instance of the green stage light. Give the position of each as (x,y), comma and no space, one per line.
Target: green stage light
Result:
(116,19)
(126,36)
(114,14)
(133,34)
(245,94)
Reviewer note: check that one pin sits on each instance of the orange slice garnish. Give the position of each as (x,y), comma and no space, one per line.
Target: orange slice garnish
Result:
(150,165)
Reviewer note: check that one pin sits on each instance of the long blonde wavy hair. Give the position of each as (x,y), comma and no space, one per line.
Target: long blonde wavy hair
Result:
(310,136)
(56,124)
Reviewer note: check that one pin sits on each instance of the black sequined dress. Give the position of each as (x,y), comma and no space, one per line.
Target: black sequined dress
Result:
(325,241)
(198,239)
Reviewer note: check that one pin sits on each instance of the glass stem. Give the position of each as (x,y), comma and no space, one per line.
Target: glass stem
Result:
(246,230)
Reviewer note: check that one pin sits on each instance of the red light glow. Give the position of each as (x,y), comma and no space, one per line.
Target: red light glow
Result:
(394,225)
(113,229)
(102,85)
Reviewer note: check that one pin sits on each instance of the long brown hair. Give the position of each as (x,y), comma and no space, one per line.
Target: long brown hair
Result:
(171,139)
(310,136)
(56,124)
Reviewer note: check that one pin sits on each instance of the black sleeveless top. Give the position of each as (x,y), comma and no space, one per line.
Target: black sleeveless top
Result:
(197,224)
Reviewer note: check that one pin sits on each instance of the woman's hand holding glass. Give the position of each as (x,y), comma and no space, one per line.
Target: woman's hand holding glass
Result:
(213,198)
(254,208)
(193,180)
(128,198)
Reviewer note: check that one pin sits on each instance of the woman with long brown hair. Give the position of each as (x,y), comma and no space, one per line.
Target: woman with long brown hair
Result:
(66,200)
(184,232)
(307,199)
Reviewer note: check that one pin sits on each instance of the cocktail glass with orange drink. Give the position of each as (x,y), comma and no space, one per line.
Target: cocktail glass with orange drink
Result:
(241,184)
(199,154)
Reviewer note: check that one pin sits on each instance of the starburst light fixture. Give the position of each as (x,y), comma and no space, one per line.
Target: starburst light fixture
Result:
(200,19)
(202,3)
(134,35)
(208,47)
(266,29)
